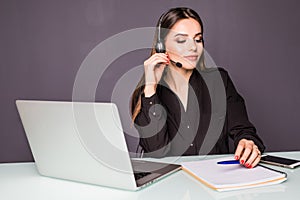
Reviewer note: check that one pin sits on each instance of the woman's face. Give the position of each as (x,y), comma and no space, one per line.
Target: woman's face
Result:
(184,43)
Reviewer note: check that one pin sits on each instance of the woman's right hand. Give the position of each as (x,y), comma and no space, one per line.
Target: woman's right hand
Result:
(154,68)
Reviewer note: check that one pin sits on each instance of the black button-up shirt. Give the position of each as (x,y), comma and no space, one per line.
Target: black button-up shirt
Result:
(215,111)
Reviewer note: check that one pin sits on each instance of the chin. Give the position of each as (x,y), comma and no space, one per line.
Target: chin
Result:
(189,66)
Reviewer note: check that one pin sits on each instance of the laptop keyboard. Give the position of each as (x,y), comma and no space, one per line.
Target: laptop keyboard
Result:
(139,175)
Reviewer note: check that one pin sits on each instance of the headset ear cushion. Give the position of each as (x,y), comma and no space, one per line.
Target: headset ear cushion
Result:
(160,47)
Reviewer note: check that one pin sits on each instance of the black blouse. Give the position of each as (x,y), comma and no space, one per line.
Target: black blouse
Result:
(215,111)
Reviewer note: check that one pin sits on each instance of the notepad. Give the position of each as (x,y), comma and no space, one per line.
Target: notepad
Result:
(231,177)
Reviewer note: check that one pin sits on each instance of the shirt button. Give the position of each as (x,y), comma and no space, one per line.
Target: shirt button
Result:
(191,144)
(150,102)
(188,126)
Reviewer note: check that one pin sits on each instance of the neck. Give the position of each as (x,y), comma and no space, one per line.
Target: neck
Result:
(178,78)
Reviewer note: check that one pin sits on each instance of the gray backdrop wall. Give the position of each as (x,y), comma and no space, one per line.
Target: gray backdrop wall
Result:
(43,43)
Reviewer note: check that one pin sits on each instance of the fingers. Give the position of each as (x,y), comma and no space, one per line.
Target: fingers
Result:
(239,150)
(154,67)
(253,158)
(248,146)
(256,161)
(248,153)
(155,59)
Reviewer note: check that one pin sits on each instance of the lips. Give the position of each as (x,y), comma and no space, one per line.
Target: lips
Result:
(191,57)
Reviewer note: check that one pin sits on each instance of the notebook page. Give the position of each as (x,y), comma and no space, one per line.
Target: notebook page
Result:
(231,176)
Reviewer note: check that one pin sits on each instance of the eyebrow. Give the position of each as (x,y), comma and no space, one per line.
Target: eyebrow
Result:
(183,34)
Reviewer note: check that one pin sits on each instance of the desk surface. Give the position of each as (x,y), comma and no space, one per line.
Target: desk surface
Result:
(22,181)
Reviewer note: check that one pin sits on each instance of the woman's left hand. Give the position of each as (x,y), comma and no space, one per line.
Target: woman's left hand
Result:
(248,153)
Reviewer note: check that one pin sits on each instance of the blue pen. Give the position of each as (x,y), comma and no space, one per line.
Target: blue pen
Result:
(228,162)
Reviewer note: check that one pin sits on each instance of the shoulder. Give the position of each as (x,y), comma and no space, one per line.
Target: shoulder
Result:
(215,70)
(215,73)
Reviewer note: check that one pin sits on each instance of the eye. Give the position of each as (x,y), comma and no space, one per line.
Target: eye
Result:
(180,41)
(199,40)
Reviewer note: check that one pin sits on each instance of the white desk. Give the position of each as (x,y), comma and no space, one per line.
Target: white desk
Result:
(21,181)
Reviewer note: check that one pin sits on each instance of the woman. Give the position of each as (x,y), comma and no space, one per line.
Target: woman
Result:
(173,106)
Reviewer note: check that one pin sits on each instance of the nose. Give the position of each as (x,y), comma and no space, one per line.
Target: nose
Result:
(192,45)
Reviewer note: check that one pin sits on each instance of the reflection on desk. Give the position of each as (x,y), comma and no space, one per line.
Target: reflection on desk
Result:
(22,181)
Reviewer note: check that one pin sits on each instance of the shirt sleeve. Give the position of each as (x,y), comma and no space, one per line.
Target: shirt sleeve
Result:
(239,126)
(152,127)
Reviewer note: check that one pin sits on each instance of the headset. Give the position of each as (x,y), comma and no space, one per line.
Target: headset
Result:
(160,46)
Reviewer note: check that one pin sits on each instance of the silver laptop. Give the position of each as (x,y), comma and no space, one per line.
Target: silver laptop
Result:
(85,142)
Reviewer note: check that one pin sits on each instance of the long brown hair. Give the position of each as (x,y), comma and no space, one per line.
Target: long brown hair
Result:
(166,21)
